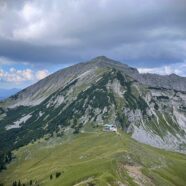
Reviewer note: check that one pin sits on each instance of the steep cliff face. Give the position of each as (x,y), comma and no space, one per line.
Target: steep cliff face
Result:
(151,108)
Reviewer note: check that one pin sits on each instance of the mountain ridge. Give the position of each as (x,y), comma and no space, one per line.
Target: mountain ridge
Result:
(58,78)
(97,92)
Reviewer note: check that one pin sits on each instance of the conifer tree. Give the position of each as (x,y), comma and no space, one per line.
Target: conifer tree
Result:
(30,182)
(19,183)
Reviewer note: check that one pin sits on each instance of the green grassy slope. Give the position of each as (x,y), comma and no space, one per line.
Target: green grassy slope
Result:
(98,158)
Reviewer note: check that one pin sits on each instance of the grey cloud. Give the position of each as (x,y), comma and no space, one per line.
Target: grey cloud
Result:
(135,31)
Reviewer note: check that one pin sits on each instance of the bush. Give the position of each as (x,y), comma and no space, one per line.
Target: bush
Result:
(58,174)
(19,183)
(14,183)
(91,184)
(30,182)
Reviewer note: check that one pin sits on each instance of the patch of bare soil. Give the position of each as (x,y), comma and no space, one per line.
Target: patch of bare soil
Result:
(135,173)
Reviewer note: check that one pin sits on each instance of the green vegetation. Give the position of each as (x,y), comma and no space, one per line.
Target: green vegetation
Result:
(133,101)
(96,96)
(95,158)
(46,154)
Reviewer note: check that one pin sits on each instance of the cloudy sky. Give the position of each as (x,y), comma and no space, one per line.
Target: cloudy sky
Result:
(38,37)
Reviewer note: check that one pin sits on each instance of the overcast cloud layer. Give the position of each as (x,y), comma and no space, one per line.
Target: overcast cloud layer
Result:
(148,34)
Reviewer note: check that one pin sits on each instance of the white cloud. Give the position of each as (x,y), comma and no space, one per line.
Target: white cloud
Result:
(1,74)
(30,12)
(41,74)
(22,76)
(178,68)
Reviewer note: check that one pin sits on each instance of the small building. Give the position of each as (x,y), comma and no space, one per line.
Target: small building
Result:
(109,128)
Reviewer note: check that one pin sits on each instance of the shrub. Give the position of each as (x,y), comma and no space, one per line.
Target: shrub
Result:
(14,183)
(19,183)
(91,184)
(30,182)
(58,174)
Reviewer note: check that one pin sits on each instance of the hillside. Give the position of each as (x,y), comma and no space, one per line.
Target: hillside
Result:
(146,107)
(95,158)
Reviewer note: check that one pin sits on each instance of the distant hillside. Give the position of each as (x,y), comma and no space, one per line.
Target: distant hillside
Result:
(5,93)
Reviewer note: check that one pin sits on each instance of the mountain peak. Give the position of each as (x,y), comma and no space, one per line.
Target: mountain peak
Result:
(101,58)
(103,61)
(174,75)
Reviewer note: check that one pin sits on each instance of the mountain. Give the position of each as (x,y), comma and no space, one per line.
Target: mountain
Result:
(150,107)
(81,99)
(5,93)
